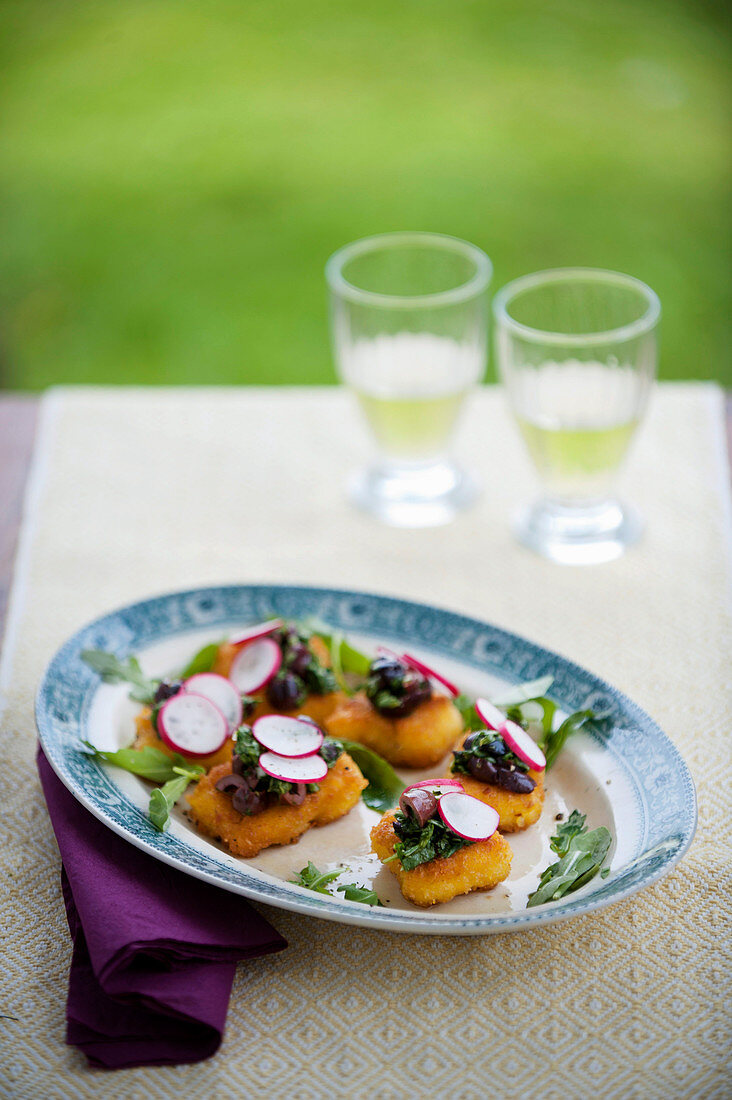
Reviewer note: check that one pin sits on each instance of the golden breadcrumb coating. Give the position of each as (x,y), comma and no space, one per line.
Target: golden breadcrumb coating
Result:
(479,866)
(215,816)
(146,735)
(419,740)
(515,811)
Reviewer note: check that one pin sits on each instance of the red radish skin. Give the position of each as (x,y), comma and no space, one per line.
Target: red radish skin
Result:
(255,665)
(430,673)
(494,718)
(443,786)
(192,724)
(288,736)
(261,630)
(520,742)
(467,816)
(222,694)
(294,769)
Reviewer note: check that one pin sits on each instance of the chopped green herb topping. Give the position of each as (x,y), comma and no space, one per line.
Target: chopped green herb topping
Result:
(486,745)
(421,844)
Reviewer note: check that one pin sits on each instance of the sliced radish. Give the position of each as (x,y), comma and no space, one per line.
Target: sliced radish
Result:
(288,736)
(294,769)
(430,673)
(221,692)
(384,651)
(255,665)
(438,786)
(494,718)
(520,742)
(517,739)
(261,630)
(467,816)
(192,724)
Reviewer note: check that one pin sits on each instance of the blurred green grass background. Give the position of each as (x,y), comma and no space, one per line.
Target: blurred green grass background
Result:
(173,176)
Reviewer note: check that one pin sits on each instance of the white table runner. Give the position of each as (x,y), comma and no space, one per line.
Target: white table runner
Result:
(140,491)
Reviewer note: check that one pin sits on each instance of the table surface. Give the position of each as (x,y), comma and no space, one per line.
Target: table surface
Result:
(18,422)
(654,623)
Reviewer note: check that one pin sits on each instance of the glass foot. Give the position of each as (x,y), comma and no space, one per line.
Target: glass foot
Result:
(413,496)
(585,534)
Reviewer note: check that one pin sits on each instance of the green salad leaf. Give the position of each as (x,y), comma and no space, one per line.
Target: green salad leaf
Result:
(175,773)
(384,785)
(344,657)
(148,762)
(582,855)
(572,827)
(313,879)
(466,706)
(162,799)
(115,671)
(554,741)
(359,893)
(523,693)
(203,661)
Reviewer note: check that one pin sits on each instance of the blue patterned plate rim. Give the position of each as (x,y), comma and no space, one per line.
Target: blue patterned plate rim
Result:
(667,797)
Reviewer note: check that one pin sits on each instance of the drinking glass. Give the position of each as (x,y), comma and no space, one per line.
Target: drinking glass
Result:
(576,351)
(408,325)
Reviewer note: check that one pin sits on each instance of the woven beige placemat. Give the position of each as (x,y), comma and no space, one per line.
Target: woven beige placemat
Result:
(136,492)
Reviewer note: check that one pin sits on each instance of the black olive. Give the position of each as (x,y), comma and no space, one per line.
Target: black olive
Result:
(469,741)
(483,769)
(286,691)
(514,780)
(296,797)
(231,783)
(247,801)
(497,747)
(390,672)
(298,659)
(416,690)
(167,689)
(420,802)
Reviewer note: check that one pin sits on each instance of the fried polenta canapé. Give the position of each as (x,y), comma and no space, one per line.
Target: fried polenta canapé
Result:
(398,715)
(515,811)
(420,739)
(478,866)
(314,660)
(245,834)
(491,772)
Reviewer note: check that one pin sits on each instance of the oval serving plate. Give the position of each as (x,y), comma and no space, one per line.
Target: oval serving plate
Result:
(627,775)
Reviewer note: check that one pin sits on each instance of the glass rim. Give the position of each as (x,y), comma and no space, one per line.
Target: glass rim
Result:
(472,287)
(511,290)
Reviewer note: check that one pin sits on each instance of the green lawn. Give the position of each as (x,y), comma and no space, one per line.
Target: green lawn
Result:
(173,175)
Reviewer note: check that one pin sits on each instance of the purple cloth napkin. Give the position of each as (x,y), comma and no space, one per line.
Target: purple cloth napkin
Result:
(154,950)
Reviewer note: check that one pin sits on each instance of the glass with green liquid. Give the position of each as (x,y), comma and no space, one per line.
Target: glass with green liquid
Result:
(577,353)
(408,323)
